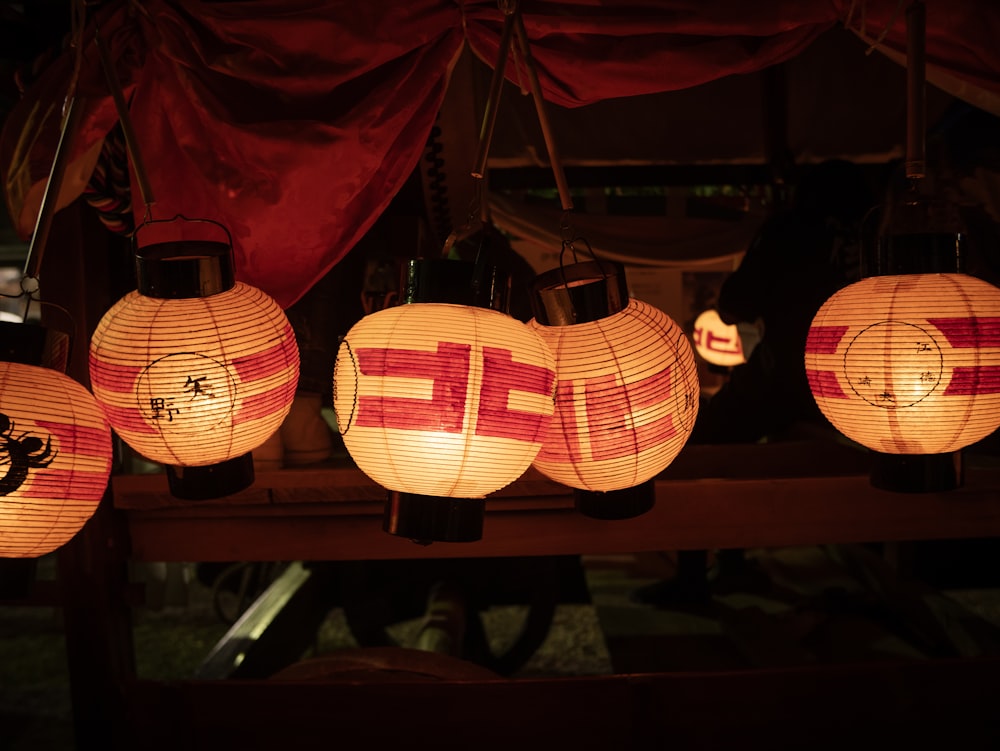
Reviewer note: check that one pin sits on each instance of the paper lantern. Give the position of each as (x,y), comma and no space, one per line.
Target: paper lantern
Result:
(55,455)
(627,393)
(442,401)
(193,369)
(717,342)
(909,364)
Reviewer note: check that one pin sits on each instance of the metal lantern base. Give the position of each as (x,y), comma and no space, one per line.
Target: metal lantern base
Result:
(427,518)
(616,504)
(917,473)
(211,480)
(32,344)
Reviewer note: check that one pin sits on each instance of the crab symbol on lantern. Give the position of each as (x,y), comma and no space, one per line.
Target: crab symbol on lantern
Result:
(23,453)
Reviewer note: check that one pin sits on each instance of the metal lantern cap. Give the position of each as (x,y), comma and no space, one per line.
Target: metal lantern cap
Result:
(184,269)
(920,236)
(579,293)
(443,280)
(32,344)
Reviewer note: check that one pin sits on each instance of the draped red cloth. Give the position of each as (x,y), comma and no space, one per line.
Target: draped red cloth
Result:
(294,122)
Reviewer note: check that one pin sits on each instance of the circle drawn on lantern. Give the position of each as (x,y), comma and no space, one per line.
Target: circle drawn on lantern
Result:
(344,425)
(177,387)
(890,384)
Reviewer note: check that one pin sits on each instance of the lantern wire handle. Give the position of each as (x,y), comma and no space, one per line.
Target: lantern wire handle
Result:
(146,222)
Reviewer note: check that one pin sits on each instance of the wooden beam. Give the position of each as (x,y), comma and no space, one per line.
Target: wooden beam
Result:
(921,704)
(716,497)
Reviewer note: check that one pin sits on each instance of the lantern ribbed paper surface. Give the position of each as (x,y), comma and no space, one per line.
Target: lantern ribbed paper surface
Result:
(195,381)
(716,341)
(626,400)
(909,364)
(55,458)
(443,400)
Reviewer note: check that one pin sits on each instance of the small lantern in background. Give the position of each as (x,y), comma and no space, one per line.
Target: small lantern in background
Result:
(910,363)
(723,344)
(627,393)
(55,445)
(193,369)
(443,400)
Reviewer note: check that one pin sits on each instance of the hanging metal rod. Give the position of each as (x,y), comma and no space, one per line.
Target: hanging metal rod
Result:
(543,118)
(47,208)
(121,107)
(514,24)
(496,88)
(915,90)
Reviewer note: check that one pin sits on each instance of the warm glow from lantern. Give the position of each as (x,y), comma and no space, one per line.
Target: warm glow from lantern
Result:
(443,400)
(909,364)
(55,458)
(717,342)
(626,401)
(195,381)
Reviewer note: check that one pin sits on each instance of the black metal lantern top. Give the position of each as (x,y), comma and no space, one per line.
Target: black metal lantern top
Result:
(443,280)
(187,268)
(579,293)
(33,344)
(920,236)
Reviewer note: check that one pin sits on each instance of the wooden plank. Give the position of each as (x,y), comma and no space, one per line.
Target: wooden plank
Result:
(689,514)
(920,704)
(336,483)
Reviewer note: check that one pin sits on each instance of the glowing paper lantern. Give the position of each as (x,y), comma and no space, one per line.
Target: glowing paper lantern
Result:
(55,456)
(717,342)
(442,404)
(627,394)
(193,369)
(909,364)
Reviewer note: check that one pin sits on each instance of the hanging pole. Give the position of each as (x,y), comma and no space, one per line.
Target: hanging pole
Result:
(47,209)
(543,119)
(915,86)
(496,88)
(121,107)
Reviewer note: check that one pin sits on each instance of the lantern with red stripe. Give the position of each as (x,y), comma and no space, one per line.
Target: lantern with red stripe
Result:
(193,369)
(910,363)
(442,403)
(627,394)
(55,448)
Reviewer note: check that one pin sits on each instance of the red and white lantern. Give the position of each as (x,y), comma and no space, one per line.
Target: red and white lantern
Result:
(627,394)
(723,344)
(716,341)
(442,404)
(443,400)
(195,374)
(909,364)
(55,458)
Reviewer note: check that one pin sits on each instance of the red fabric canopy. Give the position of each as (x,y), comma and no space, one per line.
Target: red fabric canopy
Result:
(295,122)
